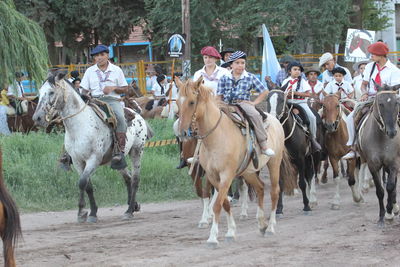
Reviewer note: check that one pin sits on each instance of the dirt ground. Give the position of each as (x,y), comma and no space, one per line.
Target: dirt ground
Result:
(166,234)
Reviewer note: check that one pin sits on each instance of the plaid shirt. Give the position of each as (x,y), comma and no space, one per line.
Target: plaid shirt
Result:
(232,90)
(281,76)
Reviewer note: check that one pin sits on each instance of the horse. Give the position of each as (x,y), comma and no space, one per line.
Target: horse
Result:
(89,141)
(23,123)
(336,137)
(378,144)
(221,155)
(296,142)
(10,225)
(358,42)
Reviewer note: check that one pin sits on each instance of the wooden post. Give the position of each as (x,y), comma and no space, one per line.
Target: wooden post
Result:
(186,30)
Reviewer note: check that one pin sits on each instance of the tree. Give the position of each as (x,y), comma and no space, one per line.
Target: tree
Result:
(23,45)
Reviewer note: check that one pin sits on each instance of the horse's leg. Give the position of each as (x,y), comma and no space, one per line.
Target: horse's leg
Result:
(324,177)
(244,198)
(336,180)
(274,170)
(391,190)
(343,169)
(93,207)
(205,196)
(8,249)
(258,185)
(223,187)
(303,187)
(136,156)
(84,173)
(353,181)
(380,194)
(279,208)
(231,233)
(363,177)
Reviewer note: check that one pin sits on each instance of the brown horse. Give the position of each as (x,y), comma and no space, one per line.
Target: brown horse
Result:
(222,154)
(336,137)
(358,42)
(10,227)
(23,123)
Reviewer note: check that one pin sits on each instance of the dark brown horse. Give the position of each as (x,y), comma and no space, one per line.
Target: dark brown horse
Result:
(10,227)
(23,123)
(358,42)
(378,143)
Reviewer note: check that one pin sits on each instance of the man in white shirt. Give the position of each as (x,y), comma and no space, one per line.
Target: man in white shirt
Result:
(339,84)
(380,70)
(315,84)
(106,82)
(327,60)
(359,68)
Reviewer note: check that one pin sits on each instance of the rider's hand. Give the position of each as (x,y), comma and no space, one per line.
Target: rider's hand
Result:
(109,89)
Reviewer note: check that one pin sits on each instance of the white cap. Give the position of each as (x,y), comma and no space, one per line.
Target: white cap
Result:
(325,58)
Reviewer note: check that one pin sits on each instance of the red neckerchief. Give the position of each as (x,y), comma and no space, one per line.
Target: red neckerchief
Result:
(312,86)
(378,75)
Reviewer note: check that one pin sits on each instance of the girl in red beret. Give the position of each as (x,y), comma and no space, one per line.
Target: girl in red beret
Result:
(211,72)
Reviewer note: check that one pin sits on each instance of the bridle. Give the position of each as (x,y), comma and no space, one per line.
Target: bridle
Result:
(339,115)
(379,120)
(284,111)
(51,110)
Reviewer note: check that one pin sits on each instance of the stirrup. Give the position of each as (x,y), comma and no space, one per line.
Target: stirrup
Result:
(269,152)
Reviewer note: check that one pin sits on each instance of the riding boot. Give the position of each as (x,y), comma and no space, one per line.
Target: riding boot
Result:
(118,160)
(315,145)
(182,162)
(65,161)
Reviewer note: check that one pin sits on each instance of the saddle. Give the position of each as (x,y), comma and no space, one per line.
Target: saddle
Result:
(107,115)
(17,108)
(361,115)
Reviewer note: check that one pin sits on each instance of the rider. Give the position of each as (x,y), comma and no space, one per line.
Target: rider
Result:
(315,84)
(339,84)
(235,87)
(106,82)
(327,61)
(380,70)
(297,90)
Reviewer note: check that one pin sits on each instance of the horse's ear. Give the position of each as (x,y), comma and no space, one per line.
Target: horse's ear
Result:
(395,87)
(199,82)
(178,82)
(378,87)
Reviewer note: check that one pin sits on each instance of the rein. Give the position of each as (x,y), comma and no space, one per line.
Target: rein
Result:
(379,120)
(339,115)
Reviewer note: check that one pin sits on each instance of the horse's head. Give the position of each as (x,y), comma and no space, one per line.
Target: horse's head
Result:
(193,96)
(386,108)
(331,109)
(51,98)
(354,43)
(276,103)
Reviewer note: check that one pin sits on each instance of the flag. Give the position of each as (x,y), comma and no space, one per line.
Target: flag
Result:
(270,64)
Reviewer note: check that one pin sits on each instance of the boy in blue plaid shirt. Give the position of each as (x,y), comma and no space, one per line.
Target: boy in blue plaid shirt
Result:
(235,89)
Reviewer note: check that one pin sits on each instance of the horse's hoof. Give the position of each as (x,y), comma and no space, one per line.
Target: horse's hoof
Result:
(313,204)
(229,239)
(381,224)
(269,233)
(279,215)
(324,180)
(203,225)
(127,216)
(365,190)
(396,209)
(136,207)
(243,217)
(92,219)
(212,245)
(335,207)
(262,230)
(306,212)
(82,218)
(389,216)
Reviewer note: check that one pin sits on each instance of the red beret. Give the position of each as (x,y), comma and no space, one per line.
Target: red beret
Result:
(210,51)
(379,49)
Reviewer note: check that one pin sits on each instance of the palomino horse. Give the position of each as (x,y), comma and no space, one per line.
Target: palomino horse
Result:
(10,226)
(88,140)
(378,143)
(297,144)
(336,137)
(221,154)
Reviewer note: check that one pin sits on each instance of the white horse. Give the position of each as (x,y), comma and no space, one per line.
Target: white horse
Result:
(89,141)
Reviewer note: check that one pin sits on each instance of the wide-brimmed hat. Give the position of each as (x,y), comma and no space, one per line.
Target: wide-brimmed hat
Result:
(312,70)
(98,49)
(237,55)
(357,65)
(379,49)
(210,51)
(325,58)
(286,59)
(228,50)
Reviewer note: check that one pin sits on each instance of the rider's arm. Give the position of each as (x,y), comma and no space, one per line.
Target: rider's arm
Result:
(261,97)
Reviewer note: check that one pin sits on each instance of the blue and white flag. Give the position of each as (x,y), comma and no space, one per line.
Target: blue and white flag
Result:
(270,64)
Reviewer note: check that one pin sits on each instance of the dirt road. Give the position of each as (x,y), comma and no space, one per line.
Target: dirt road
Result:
(166,234)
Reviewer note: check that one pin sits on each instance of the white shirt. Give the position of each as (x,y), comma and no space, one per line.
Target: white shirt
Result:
(304,86)
(212,80)
(151,81)
(390,75)
(333,86)
(158,90)
(318,87)
(327,76)
(94,80)
(16,89)
(357,82)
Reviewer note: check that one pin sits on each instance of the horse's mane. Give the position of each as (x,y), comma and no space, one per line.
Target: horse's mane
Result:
(194,87)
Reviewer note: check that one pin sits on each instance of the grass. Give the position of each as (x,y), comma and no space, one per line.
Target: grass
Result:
(37,184)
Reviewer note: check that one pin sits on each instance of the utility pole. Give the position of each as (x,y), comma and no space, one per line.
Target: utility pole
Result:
(186,30)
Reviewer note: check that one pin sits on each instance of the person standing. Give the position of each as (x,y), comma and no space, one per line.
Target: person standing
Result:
(15,93)
(359,68)
(4,102)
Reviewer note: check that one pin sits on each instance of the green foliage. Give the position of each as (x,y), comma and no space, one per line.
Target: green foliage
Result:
(37,184)
(375,15)
(22,45)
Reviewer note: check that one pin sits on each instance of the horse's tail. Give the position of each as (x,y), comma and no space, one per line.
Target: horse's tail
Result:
(12,228)
(150,131)
(288,174)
